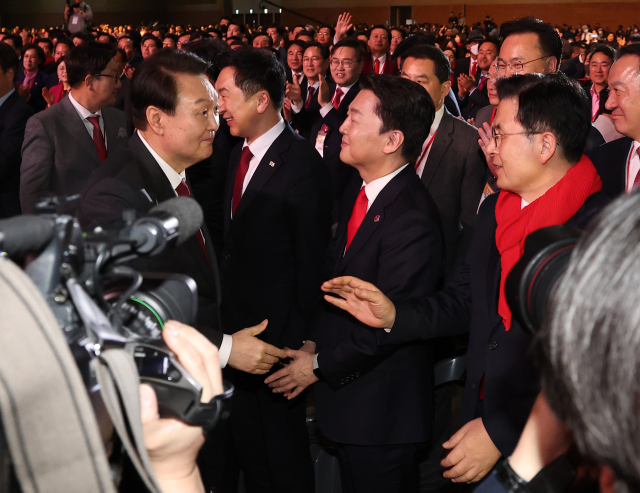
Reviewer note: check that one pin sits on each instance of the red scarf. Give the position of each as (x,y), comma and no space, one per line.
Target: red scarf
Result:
(559,204)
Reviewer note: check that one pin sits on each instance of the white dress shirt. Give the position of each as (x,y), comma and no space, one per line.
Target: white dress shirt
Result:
(434,128)
(633,166)
(175,179)
(324,111)
(297,109)
(382,60)
(84,113)
(259,148)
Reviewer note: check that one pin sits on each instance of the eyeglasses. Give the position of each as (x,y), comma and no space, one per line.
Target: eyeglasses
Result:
(312,59)
(345,63)
(114,77)
(497,137)
(515,66)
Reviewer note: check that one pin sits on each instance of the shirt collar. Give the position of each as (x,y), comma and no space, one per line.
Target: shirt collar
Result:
(373,188)
(6,96)
(382,59)
(436,120)
(260,146)
(82,111)
(172,175)
(345,89)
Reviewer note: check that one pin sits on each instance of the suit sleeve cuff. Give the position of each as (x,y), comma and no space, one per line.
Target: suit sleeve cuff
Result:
(225,350)
(324,111)
(315,361)
(295,108)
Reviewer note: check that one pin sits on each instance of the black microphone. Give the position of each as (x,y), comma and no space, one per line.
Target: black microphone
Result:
(25,234)
(173,221)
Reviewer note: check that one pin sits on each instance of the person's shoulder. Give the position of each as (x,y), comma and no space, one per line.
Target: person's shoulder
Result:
(462,129)
(114,113)
(17,109)
(613,149)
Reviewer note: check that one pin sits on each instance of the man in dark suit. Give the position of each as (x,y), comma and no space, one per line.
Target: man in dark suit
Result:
(305,108)
(375,401)
(277,226)
(150,169)
(65,143)
(574,67)
(295,53)
(378,60)
(14,113)
(602,57)
(545,181)
(618,161)
(32,80)
(472,91)
(468,66)
(334,100)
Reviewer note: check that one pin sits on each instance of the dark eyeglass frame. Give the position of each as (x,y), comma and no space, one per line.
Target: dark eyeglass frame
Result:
(516,66)
(115,77)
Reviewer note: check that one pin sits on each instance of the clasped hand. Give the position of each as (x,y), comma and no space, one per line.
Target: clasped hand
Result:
(296,376)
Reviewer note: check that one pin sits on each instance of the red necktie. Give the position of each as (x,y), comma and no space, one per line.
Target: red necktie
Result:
(183,191)
(337,98)
(474,68)
(483,82)
(376,69)
(636,182)
(298,77)
(311,91)
(243,167)
(98,138)
(357,216)
(417,163)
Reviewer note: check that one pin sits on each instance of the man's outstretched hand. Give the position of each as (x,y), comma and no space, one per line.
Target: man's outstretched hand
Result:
(362,300)
(294,377)
(250,354)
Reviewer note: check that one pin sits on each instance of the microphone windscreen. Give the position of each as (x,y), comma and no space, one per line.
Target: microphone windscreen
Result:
(188,213)
(25,234)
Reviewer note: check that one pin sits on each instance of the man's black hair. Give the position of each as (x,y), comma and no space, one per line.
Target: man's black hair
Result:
(83,36)
(298,42)
(17,40)
(154,82)
(551,103)
(38,50)
(238,23)
(47,41)
(112,39)
(309,34)
(67,42)
(401,31)
(633,49)
(257,70)
(156,40)
(418,39)
(9,60)
(351,43)
(549,42)
(88,59)
(402,105)
(325,52)
(263,33)
(441,62)
(495,42)
(210,50)
(332,31)
(278,27)
(605,50)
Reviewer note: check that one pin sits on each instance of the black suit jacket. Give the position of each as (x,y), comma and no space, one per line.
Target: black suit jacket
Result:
(573,67)
(462,67)
(340,172)
(275,244)
(611,160)
(372,394)
(308,116)
(454,176)
(14,114)
(470,303)
(132,179)
(474,102)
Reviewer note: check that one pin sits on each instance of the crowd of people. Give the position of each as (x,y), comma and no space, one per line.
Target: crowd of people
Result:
(402,167)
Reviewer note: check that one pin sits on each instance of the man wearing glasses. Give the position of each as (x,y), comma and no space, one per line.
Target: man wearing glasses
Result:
(65,143)
(334,100)
(536,142)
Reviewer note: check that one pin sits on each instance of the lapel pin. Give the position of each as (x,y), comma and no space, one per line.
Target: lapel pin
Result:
(272,164)
(376,219)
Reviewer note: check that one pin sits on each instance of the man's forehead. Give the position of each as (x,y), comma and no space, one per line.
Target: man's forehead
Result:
(344,52)
(195,89)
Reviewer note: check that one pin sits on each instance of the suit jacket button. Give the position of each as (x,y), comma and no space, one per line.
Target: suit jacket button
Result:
(228,256)
(474,386)
(493,345)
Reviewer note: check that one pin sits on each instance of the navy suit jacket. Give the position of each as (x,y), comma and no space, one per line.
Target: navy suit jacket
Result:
(275,244)
(372,394)
(130,178)
(469,303)
(36,101)
(611,160)
(14,114)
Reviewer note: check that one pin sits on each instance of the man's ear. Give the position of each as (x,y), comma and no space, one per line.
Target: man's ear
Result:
(394,142)
(549,147)
(155,120)
(263,101)
(552,65)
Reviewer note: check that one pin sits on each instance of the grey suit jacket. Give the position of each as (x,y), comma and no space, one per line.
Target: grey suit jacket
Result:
(454,176)
(58,155)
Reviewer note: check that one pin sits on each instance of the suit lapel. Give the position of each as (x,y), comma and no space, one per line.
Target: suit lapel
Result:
(439,147)
(266,169)
(112,132)
(75,127)
(7,105)
(156,182)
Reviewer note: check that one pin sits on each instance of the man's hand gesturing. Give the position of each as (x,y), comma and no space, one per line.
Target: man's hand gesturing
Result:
(250,354)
